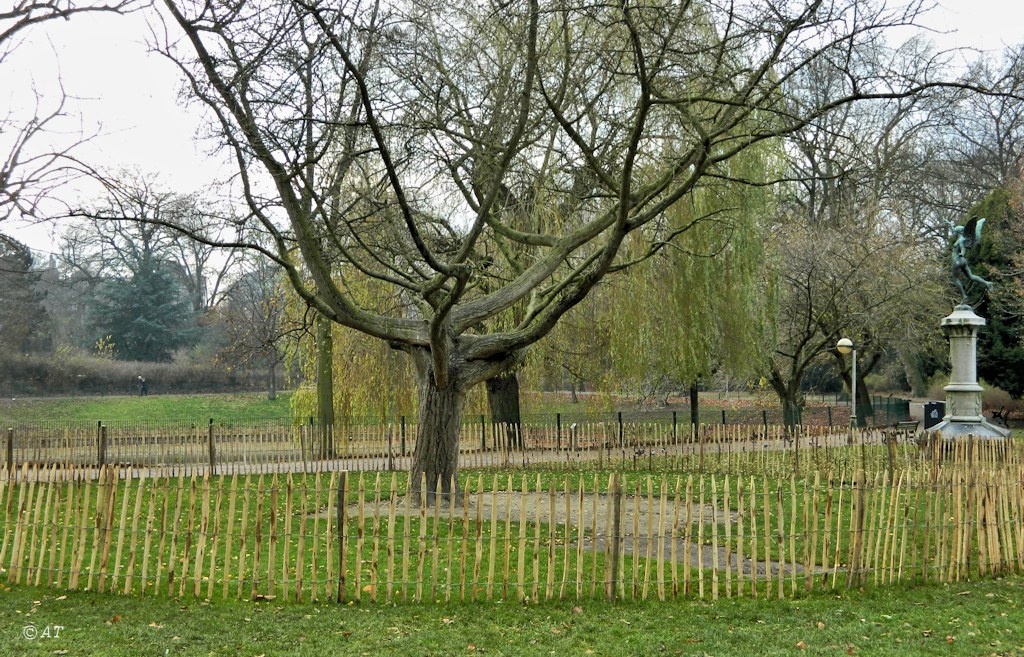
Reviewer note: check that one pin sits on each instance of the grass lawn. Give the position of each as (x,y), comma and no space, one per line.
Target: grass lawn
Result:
(981,618)
(229,408)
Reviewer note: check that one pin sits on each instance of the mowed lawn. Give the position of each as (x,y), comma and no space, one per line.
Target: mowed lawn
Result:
(223,408)
(980,618)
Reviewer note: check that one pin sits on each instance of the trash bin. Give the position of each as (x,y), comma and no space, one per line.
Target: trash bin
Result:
(933,413)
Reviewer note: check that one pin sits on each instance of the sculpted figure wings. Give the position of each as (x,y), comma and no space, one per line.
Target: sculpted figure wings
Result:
(964,238)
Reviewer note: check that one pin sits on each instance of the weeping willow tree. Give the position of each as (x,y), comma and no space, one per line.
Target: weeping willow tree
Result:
(703,304)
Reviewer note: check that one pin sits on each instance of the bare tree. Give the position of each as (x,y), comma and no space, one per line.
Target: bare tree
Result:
(866,282)
(29,170)
(130,225)
(253,312)
(858,254)
(415,145)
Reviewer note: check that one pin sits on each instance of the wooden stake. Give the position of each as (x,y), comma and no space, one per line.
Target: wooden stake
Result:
(232,499)
(258,544)
(662,512)
(243,531)
(392,508)
(341,533)
(123,525)
(216,538)
(492,552)
(714,538)
(687,536)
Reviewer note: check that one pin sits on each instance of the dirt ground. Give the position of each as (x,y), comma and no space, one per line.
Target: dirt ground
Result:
(642,519)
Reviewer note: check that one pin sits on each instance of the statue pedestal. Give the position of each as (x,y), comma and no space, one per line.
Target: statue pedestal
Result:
(963,394)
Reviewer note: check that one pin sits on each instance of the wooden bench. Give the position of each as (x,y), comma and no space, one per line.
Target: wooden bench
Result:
(906,426)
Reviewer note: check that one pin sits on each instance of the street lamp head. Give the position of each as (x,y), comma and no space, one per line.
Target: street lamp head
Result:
(845,346)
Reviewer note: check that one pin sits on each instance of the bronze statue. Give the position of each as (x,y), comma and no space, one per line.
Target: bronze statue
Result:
(966,237)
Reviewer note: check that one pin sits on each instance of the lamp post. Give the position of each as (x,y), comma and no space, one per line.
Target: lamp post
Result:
(846,346)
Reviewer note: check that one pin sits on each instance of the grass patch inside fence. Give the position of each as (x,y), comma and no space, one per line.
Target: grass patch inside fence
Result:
(979,618)
(226,408)
(275,536)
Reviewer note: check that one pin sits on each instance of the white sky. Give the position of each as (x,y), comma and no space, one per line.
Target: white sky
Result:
(129,97)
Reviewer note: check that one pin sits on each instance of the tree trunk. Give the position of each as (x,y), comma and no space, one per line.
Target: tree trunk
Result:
(789,396)
(790,409)
(694,406)
(913,370)
(864,406)
(503,399)
(325,386)
(436,456)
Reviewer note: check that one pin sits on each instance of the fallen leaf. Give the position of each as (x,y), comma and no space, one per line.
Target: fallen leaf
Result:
(555,630)
(471,647)
(821,625)
(156,625)
(577,610)
(950,638)
(801,645)
(346,634)
(63,597)
(447,621)
(368,588)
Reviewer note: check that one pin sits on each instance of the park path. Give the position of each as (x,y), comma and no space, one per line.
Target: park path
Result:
(644,525)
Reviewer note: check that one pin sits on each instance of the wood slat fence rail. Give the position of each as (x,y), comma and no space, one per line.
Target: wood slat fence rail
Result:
(345,536)
(215,449)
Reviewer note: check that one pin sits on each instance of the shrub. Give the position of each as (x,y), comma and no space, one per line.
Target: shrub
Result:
(70,374)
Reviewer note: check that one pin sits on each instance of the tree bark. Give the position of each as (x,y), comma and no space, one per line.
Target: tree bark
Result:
(503,399)
(325,386)
(790,410)
(913,370)
(435,459)
(864,406)
(790,396)
(694,406)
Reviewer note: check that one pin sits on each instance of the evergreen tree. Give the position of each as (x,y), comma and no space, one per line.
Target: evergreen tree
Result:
(146,315)
(1001,342)
(24,322)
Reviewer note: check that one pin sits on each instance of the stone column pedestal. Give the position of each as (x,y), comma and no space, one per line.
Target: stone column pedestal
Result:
(963,394)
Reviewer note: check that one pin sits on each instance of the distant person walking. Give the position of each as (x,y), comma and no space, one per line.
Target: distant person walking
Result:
(143,387)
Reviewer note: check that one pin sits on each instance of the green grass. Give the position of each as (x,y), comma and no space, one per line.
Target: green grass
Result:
(453,558)
(983,618)
(228,408)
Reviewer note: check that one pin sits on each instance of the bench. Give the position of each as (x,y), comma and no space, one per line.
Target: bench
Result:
(906,426)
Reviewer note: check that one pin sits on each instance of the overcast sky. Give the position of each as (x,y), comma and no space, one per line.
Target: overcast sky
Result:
(129,98)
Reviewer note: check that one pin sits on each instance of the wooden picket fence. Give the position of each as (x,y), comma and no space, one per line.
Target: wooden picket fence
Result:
(531,537)
(162,451)
(281,447)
